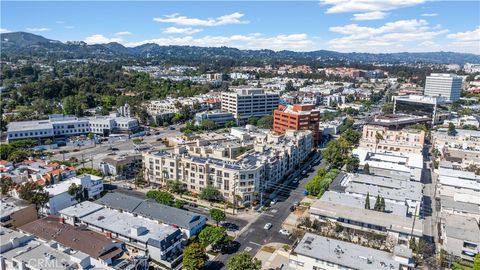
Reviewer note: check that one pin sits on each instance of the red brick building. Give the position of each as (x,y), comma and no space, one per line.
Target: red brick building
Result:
(297,117)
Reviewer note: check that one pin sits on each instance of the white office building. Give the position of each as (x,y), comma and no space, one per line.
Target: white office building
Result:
(248,102)
(448,86)
(58,125)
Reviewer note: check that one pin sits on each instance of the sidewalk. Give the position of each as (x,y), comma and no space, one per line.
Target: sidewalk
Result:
(273,255)
(293,219)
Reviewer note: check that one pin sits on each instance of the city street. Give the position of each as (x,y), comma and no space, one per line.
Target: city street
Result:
(254,235)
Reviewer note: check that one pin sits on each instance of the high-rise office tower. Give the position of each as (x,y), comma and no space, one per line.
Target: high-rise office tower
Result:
(444,85)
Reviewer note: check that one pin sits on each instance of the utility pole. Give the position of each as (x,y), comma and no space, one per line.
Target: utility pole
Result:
(234,197)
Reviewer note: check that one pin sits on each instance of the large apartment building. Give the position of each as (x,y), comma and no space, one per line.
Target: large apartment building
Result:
(297,117)
(448,86)
(248,102)
(404,141)
(246,176)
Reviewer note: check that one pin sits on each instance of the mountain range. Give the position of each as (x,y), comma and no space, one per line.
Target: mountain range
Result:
(23,44)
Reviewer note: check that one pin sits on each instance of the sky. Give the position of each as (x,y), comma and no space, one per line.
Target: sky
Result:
(377,26)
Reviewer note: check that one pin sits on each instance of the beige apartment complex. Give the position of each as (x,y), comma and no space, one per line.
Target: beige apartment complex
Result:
(244,177)
(408,141)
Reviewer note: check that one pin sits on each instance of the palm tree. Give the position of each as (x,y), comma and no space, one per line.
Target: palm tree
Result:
(378,138)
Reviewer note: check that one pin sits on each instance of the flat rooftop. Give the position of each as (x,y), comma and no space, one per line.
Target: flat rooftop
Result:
(386,220)
(123,224)
(29,125)
(421,99)
(359,202)
(10,205)
(406,192)
(463,228)
(386,159)
(344,253)
(43,253)
(451,204)
(81,209)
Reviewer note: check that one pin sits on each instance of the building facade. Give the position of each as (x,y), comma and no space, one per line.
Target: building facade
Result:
(65,126)
(297,117)
(448,86)
(91,186)
(245,177)
(404,141)
(426,106)
(245,103)
(219,118)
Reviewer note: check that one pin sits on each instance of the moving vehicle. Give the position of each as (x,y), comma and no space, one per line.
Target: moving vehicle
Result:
(267,226)
(273,202)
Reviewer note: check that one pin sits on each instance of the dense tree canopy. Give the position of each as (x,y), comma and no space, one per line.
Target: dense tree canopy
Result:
(194,257)
(243,261)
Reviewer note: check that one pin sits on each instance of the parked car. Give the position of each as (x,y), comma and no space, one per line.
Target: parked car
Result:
(292,208)
(284,232)
(267,226)
(295,180)
(273,202)
(304,172)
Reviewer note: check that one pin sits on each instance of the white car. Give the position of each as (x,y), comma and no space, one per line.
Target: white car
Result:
(273,202)
(267,226)
(284,232)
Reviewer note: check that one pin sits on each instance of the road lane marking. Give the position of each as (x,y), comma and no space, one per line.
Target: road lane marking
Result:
(269,215)
(253,243)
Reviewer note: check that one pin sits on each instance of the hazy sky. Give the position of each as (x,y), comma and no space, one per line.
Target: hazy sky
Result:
(340,25)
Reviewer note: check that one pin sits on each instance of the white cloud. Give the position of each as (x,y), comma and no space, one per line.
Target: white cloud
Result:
(185,31)
(298,42)
(4,30)
(429,14)
(347,6)
(101,39)
(38,29)
(123,33)
(473,35)
(468,41)
(234,18)
(368,16)
(403,35)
